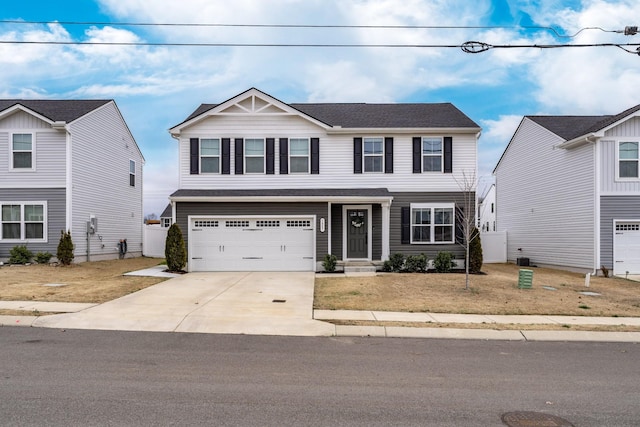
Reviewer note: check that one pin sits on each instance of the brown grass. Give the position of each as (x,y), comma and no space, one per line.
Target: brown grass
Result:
(495,292)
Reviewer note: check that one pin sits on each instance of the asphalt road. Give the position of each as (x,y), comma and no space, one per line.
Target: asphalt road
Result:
(52,377)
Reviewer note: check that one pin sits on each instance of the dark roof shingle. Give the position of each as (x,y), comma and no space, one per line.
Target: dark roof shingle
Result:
(56,110)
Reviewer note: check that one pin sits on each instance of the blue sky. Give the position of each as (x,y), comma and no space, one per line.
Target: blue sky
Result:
(157,87)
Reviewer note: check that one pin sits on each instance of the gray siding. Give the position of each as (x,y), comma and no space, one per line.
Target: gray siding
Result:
(614,207)
(337,229)
(55,198)
(320,210)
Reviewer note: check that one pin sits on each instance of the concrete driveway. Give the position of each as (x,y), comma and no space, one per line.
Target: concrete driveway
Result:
(261,303)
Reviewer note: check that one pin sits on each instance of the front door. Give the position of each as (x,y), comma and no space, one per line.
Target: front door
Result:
(357,233)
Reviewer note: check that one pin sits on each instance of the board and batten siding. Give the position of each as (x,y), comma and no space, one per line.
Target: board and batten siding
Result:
(545,199)
(612,208)
(336,157)
(56,201)
(102,147)
(626,131)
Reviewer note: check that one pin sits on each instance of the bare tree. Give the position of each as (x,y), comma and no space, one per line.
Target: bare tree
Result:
(466,217)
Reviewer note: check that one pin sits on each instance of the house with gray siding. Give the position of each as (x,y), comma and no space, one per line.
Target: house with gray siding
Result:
(568,192)
(266,185)
(65,164)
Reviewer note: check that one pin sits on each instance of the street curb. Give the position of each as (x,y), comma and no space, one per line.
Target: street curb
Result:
(17,320)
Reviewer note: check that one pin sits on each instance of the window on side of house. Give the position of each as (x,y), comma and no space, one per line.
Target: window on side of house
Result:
(254,157)
(628,159)
(210,155)
(373,154)
(166,222)
(299,155)
(432,223)
(23,221)
(431,154)
(132,173)
(22,151)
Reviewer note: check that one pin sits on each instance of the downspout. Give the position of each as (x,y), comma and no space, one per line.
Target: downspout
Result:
(596,206)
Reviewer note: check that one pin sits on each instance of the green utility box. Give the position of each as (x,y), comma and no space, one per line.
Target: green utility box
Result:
(525,279)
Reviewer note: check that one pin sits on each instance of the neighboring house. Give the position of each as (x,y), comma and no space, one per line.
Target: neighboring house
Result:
(265,185)
(64,164)
(166,216)
(568,191)
(487,210)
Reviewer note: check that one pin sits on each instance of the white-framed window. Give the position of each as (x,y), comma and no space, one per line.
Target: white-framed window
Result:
(23,221)
(432,154)
(166,222)
(132,173)
(373,154)
(628,159)
(432,223)
(210,155)
(254,157)
(22,151)
(299,155)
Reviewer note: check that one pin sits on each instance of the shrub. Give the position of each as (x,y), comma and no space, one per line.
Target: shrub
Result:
(443,262)
(416,264)
(65,248)
(329,263)
(175,252)
(396,262)
(43,257)
(386,266)
(20,255)
(475,252)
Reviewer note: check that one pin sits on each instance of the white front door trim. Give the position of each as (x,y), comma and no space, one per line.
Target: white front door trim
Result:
(345,224)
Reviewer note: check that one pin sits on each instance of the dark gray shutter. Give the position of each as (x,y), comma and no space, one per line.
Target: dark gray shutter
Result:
(405,225)
(194,152)
(270,169)
(458,212)
(315,155)
(226,156)
(388,155)
(239,157)
(448,154)
(417,154)
(357,155)
(284,156)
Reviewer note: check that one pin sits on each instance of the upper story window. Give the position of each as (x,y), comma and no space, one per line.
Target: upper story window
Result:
(254,158)
(22,151)
(132,173)
(432,154)
(210,155)
(373,154)
(432,223)
(299,155)
(628,159)
(23,221)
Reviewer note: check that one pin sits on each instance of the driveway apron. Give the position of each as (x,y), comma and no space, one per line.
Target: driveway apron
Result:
(257,303)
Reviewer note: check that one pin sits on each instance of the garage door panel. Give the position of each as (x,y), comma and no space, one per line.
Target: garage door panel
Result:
(626,248)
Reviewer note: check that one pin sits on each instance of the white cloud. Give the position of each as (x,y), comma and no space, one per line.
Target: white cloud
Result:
(496,134)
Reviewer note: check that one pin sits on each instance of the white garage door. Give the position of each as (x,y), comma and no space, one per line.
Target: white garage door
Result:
(251,244)
(626,250)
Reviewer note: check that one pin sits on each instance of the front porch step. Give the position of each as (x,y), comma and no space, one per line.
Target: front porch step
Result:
(359,268)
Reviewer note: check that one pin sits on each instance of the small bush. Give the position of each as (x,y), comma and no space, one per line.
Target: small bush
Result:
(329,263)
(175,252)
(396,262)
(386,266)
(416,264)
(43,257)
(475,253)
(20,255)
(443,262)
(65,248)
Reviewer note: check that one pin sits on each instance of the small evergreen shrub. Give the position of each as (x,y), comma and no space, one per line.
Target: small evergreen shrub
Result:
(416,263)
(175,252)
(65,248)
(329,263)
(443,263)
(386,266)
(43,257)
(475,252)
(396,262)
(20,255)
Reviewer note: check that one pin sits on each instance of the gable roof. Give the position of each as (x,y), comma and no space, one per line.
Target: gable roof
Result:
(56,110)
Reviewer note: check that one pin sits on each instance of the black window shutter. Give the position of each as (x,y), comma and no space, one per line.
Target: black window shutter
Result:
(284,156)
(315,155)
(270,156)
(405,221)
(388,155)
(357,155)
(458,219)
(417,154)
(239,157)
(226,156)
(448,154)
(194,152)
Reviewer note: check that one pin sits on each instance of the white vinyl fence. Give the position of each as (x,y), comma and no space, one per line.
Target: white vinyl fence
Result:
(153,240)
(494,247)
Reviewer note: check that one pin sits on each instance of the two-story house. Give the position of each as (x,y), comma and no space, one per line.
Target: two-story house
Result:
(487,210)
(265,185)
(568,191)
(69,165)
